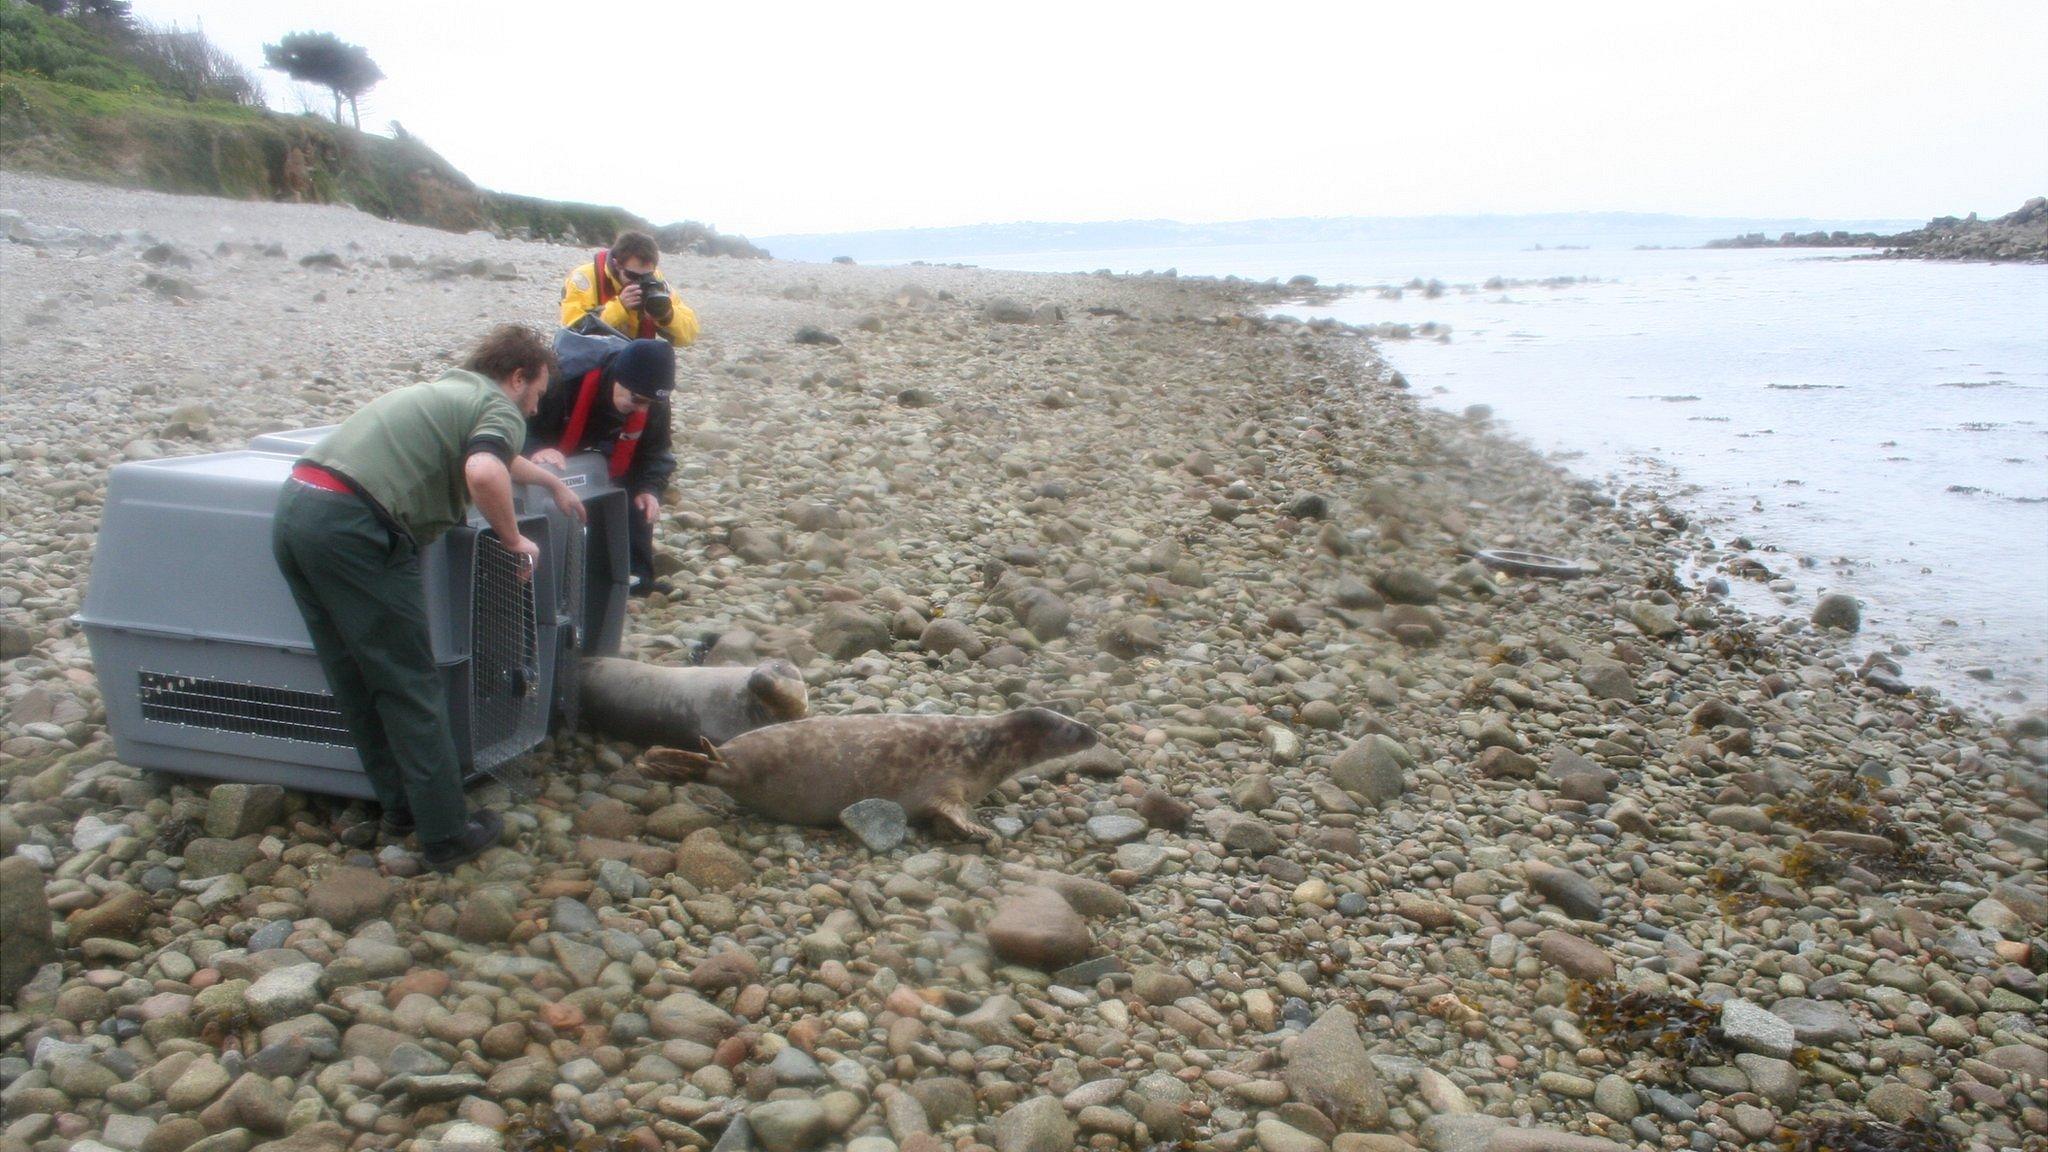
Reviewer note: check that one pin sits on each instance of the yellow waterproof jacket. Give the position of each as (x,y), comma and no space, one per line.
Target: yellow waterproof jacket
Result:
(579,298)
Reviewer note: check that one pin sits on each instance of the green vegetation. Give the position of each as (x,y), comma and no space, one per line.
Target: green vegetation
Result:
(38,44)
(592,224)
(97,96)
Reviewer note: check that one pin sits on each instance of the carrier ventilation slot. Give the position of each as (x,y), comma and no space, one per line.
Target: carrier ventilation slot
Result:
(504,656)
(249,709)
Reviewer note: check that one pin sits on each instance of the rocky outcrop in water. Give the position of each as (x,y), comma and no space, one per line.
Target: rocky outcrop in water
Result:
(2020,236)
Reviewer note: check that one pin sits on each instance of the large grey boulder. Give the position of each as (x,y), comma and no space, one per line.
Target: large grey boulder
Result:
(1839,610)
(1007,310)
(1330,1071)
(848,631)
(1373,768)
(1039,1124)
(242,808)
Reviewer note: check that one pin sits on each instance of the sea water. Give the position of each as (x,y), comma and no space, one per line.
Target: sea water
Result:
(1875,427)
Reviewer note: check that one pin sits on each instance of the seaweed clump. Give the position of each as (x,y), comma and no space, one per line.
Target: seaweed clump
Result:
(1740,644)
(1683,1029)
(176,835)
(1834,804)
(1844,804)
(228,1029)
(544,1128)
(1864,1134)
(1811,866)
(1737,890)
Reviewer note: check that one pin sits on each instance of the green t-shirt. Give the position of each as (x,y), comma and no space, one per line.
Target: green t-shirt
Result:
(406,448)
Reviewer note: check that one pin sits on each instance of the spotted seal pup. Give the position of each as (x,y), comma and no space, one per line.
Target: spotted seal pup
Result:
(668,704)
(936,767)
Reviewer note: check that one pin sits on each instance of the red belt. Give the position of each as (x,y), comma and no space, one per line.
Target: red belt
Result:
(315,476)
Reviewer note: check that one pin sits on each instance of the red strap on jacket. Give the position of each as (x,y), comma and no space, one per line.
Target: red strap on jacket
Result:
(601,264)
(579,419)
(314,476)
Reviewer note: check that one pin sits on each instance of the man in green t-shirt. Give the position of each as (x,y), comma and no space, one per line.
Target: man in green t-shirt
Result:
(350,525)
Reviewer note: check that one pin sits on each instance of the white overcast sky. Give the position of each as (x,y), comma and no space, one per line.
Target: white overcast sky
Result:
(766,118)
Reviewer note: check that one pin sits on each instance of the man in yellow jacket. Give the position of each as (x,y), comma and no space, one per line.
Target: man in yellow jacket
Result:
(621,287)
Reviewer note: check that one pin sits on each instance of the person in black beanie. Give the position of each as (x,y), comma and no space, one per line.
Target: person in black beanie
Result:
(612,397)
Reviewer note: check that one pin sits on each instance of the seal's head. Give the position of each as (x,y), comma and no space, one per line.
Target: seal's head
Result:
(1046,735)
(778,691)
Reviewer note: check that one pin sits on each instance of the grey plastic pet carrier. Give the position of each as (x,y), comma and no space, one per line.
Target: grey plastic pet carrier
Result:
(204,662)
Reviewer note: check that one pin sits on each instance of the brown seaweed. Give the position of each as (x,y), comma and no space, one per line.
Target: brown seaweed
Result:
(1841,803)
(1683,1029)
(1843,1133)
(547,1128)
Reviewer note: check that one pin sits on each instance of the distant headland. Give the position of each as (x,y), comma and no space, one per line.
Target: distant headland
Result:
(2020,236)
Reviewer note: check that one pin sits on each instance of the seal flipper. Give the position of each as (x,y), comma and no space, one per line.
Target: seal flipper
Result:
(681,765)
(954,813)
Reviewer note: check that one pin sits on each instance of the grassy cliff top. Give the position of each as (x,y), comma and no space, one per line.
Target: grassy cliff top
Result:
(76,102)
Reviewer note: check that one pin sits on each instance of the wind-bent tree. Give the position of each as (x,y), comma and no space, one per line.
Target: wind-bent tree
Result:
(327,60)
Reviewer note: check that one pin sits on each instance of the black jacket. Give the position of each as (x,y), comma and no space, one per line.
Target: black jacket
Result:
(653,462)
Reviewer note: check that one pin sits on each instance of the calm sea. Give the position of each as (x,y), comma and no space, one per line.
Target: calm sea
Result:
(1882,425)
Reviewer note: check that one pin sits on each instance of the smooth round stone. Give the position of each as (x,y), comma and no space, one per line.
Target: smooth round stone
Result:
(1144,859)
(1115,828)
(795,1066)
(271,935)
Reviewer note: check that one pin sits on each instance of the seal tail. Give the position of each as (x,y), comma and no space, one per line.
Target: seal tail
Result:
(680,765)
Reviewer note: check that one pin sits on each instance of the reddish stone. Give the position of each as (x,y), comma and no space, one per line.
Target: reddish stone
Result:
(1039,928)
(574,887)
(644,858)
(506,1041)
(732,1051)
(752,1003)
(805,1032)
(561,1017)
(430,982)
(610,819)
(732,968)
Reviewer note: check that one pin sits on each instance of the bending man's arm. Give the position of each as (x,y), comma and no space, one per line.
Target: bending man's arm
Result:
(525,471)
(490,486)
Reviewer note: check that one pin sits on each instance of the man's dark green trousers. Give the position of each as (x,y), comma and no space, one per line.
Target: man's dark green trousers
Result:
(357,584)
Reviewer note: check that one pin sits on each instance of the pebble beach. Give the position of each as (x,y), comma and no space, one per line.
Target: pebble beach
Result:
(1382,849)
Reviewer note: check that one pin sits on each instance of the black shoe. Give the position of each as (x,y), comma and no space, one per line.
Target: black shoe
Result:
(477,837)
(396,823)
(642,589)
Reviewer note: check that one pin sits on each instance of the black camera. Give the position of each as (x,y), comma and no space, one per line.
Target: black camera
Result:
(654,295)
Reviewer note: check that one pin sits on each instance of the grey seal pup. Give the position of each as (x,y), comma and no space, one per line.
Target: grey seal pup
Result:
(670,704)
(936,767)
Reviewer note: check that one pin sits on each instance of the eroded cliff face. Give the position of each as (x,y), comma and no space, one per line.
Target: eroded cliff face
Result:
(234,152)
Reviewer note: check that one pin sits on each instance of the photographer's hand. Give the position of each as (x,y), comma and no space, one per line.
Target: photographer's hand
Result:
(630,296)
